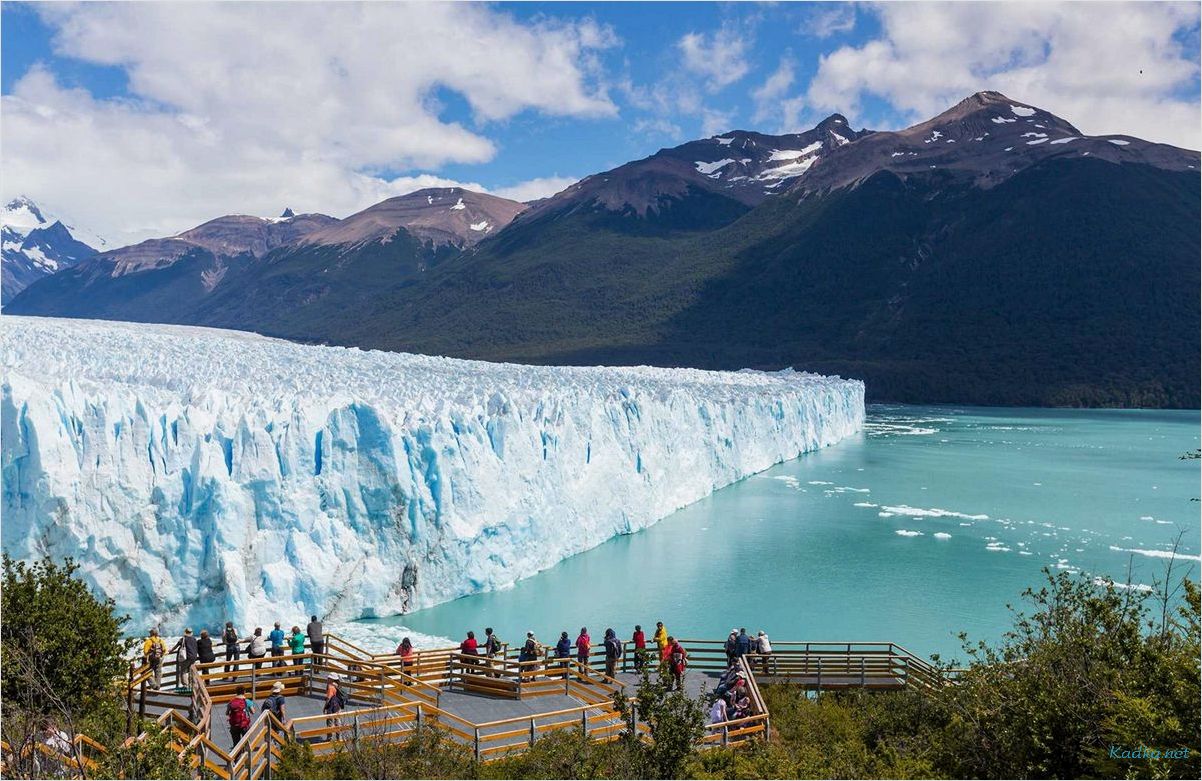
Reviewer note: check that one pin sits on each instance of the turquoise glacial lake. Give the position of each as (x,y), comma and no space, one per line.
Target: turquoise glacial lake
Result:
(927,524)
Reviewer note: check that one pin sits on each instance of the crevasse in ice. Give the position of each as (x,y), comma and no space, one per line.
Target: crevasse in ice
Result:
(199,475)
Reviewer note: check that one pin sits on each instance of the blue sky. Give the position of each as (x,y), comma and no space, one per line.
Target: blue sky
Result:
(174,114)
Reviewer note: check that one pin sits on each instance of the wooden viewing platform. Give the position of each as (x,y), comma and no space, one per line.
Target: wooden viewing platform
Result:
(493,706)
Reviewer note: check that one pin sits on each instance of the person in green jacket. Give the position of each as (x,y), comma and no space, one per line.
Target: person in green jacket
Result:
(297,641)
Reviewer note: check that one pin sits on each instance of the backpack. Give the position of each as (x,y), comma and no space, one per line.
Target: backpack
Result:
(156,654)
(238,714)
(677,656)
(494,645)
(613,648)
(230,636)
(275,704)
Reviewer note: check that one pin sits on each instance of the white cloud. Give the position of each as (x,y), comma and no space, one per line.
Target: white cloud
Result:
(719,56)
(246,107)
(715,121)
(533,189)
(1105,67)
(772,100)
(831,19)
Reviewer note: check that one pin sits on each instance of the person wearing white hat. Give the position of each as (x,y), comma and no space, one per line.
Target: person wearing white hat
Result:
(335,699)
(275,703)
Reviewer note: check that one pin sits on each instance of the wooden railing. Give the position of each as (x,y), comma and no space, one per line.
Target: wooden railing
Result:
(391,697)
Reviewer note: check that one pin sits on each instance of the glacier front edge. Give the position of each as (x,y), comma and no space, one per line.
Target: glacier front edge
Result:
(201,475)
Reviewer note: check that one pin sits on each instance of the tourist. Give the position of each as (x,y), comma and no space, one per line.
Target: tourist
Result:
(727,680)
(237,714)
(204,648)
(640,648)
(742,643)
(335,700)
(153,651)
(740,689)
(731,646)
(677,661)
(256,647)
(718,711)
(469,647)
(277,638)
(742,708)
(764,648)
(405,651)
(530,653)
(187,653)
(492,647)
(613,652)
(232,651)
(317,640)
(661,638)
(563,649)
(297,641)
(584,646)
(275,702)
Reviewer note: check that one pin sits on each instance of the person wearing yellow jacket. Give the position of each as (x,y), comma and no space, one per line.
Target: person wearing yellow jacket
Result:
(153,651)
(660,637)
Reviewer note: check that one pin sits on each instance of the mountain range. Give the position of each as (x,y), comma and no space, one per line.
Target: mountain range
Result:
(993,254)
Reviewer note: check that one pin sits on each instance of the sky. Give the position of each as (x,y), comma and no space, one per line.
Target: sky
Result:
(144,119)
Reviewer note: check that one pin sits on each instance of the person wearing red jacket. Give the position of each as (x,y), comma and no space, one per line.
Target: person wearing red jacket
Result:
(677,659)
(584,644)
(640,648)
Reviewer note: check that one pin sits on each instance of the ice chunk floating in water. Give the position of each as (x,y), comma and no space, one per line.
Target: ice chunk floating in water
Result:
(200,474)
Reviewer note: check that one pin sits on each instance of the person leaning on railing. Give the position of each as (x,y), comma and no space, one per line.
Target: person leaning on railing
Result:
(640,648)
(296,641)
(764,648)
(204,648)
(277,645)
(563,649)
(613,652)
(232,652)
(256,647)
(317,640)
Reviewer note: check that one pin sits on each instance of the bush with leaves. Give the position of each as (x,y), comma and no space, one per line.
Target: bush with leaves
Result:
(56,628)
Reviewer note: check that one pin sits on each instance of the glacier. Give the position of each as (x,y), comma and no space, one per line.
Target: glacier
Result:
(199,475)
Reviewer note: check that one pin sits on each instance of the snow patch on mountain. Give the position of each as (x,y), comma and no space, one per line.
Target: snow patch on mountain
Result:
(201,475)
(709,168)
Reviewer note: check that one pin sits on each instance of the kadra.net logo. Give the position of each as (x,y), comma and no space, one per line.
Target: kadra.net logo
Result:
(1143,752)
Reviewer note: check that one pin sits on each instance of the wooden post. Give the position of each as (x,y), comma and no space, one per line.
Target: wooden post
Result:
(861,671)
(584,721)
(819,673)
(254,680)
(355,730)
(477,751)
(419,717)
(129,701)
(725,734)
(634,717)
(532,732)
(267,772)
(142,701)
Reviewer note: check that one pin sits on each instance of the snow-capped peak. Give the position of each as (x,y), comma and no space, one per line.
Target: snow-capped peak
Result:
(22,215)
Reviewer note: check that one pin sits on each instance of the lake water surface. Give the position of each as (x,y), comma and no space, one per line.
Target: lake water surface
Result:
(925,525)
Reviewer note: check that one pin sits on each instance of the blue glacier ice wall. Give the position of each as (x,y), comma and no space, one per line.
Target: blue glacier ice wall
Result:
(200,474)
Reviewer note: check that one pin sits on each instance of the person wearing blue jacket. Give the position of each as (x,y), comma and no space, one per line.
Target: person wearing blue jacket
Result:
(277,638)
(742,643)
(563,649)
